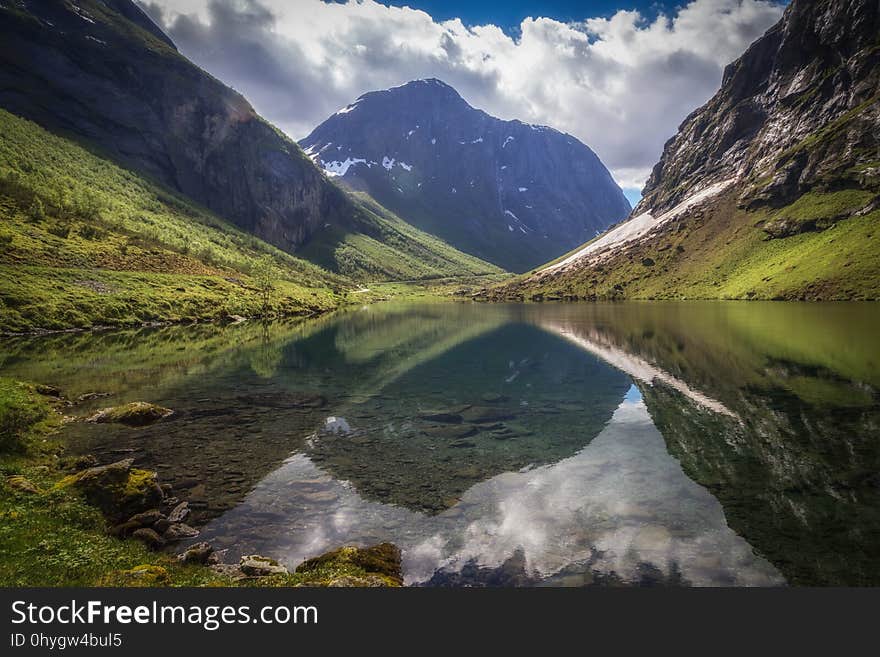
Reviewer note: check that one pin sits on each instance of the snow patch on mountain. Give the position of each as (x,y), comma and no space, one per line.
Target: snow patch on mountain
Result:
(337,168)
(348,108)
(637,227)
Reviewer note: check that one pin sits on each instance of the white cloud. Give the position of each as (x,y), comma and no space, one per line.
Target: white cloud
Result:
(622,84)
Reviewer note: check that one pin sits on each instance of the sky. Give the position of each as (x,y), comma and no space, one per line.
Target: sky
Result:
(618,75)
(508,15)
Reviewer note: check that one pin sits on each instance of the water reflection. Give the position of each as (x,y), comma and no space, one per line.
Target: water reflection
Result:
(653,443)
(620,510)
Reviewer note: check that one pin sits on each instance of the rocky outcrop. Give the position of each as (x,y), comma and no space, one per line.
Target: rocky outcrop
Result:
(102,72)
(799,109)
(508,192)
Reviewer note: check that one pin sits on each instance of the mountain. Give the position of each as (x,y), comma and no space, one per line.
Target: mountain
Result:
(508,192)
(86,243)
(103,74)
(770,190)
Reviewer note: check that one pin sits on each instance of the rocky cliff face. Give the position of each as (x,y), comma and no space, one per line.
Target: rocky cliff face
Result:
(770,190)
(511,193)
(101,71)
(796,111)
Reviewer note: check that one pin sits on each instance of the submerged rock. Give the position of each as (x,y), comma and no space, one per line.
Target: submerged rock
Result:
(484,414)
(440,416)
(336,425)
(449,431)
(379,565)
(134,414)
(117,489)
(89,396)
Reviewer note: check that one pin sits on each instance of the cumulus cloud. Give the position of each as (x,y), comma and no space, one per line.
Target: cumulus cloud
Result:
(621,84)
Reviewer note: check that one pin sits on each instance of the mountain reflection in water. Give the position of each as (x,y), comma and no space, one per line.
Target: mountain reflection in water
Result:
(631,443)
(621,509)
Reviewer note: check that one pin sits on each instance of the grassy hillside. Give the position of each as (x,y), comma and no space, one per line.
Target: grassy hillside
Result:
(379,246)
(810,249)
(84,242)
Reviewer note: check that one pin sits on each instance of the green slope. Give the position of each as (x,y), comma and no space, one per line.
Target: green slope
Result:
(376,245)
(84,242)
(729,255)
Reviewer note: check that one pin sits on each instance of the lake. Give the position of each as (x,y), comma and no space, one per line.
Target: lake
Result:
(676,444)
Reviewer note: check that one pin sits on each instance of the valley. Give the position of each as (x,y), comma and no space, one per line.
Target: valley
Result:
(423,345)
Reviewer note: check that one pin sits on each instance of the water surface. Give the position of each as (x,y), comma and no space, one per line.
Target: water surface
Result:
(504,445)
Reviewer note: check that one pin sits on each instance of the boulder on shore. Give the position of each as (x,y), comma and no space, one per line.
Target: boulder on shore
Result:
(179,531)
(149,537)
(255,565)
(118,490)
(379,565)
(199,553)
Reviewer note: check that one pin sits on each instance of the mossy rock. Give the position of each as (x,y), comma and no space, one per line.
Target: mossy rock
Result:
(143,575)
(22,485)
(119,490)
(255,565)
(378,565)
(134,414)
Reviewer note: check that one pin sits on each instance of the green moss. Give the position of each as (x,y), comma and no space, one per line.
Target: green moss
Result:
(57,539)
(815,206)
(53,531)
(141,575)
(22,412)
